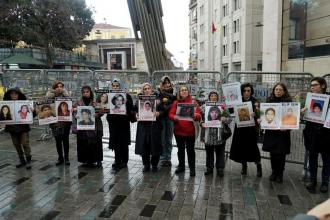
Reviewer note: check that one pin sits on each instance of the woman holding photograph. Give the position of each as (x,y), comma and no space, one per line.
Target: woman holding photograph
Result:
(120,131)
(89,142)
(5,114)
(277,142)
(19,133)
(148,134)
(244,147)
(184,131)
(61,129)
(317,139)
(212,136)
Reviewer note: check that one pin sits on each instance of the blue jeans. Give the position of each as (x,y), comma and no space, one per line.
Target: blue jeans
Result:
(167,136)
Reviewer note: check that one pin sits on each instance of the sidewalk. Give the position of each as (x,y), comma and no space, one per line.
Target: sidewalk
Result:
(74,192)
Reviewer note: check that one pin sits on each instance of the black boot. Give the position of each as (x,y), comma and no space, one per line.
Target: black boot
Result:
(208,171)
(272,177)
(279,178)
(28,162)
(244,168)
(179,169)
(22,162)
(311,186)
(259,170)
(324,187)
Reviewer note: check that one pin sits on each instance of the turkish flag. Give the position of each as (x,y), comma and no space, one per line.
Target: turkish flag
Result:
(214,29)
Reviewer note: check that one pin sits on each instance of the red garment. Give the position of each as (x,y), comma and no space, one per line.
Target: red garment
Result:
(184,128)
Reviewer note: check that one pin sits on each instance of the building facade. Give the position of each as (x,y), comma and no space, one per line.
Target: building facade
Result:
(115,48)
(299,36)
(226,35)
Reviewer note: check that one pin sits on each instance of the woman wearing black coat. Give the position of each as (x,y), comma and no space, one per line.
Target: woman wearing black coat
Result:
(317,139)
(277,142)
(148,136)
(244,147)
(120,130)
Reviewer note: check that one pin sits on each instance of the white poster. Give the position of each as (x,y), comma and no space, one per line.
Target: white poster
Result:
(85,118)
(317,106)
(243,114)
(63,109)
(327,120)
(147,108)
(7,112)
(213,115)
(232,93)
(117,102)
(185,111)
(276,116)
(24,112)
(46,112)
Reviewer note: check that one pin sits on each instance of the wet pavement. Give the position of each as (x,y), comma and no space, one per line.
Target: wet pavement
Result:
(76,192)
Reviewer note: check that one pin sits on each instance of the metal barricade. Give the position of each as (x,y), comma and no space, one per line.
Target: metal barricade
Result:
(200,83)
(133,81)
(73,80)
(327,79)
(263,82)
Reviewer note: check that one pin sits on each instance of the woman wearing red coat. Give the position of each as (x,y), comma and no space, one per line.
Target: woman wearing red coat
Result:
(184,131)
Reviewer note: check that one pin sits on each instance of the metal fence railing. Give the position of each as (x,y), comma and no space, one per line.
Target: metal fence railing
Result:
(327,79)
(263,83)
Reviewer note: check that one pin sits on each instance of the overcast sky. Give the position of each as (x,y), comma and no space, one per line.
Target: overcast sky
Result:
(176,22)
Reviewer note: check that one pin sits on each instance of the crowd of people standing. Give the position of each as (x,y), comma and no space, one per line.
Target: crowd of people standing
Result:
(154,138)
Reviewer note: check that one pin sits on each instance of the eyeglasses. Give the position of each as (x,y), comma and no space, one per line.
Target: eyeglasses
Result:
(246,90)
(314,85)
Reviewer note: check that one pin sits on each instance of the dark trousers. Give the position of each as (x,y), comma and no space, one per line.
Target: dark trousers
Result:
(147,154)
(277,162)
(121,154)
(21,143)
(188,143)
(313,164)
(62,143)
(219,151)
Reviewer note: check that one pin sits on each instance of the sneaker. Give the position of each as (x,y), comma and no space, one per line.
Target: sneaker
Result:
(208,171)
(179,169)
(324,188)
(220,172)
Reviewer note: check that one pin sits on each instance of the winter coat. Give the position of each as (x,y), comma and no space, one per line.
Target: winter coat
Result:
(316,137)
(89,142)
(58,128)
(16,128)
(149,132)
(181,127)
(244,147)
(119,125)
(277,141)
(166,100)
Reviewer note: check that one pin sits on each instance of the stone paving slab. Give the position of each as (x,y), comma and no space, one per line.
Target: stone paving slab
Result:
(76,192)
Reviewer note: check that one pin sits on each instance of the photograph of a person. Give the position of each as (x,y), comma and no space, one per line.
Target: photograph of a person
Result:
(212,115)
(232,93)
(243,114)
(5,113)
(146,110)
(63,110)
(316,107)
(270,114)
(289,117)
(85,118)
(102,103)
(185,111)
(46,114)
(24,112)
(117,102)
